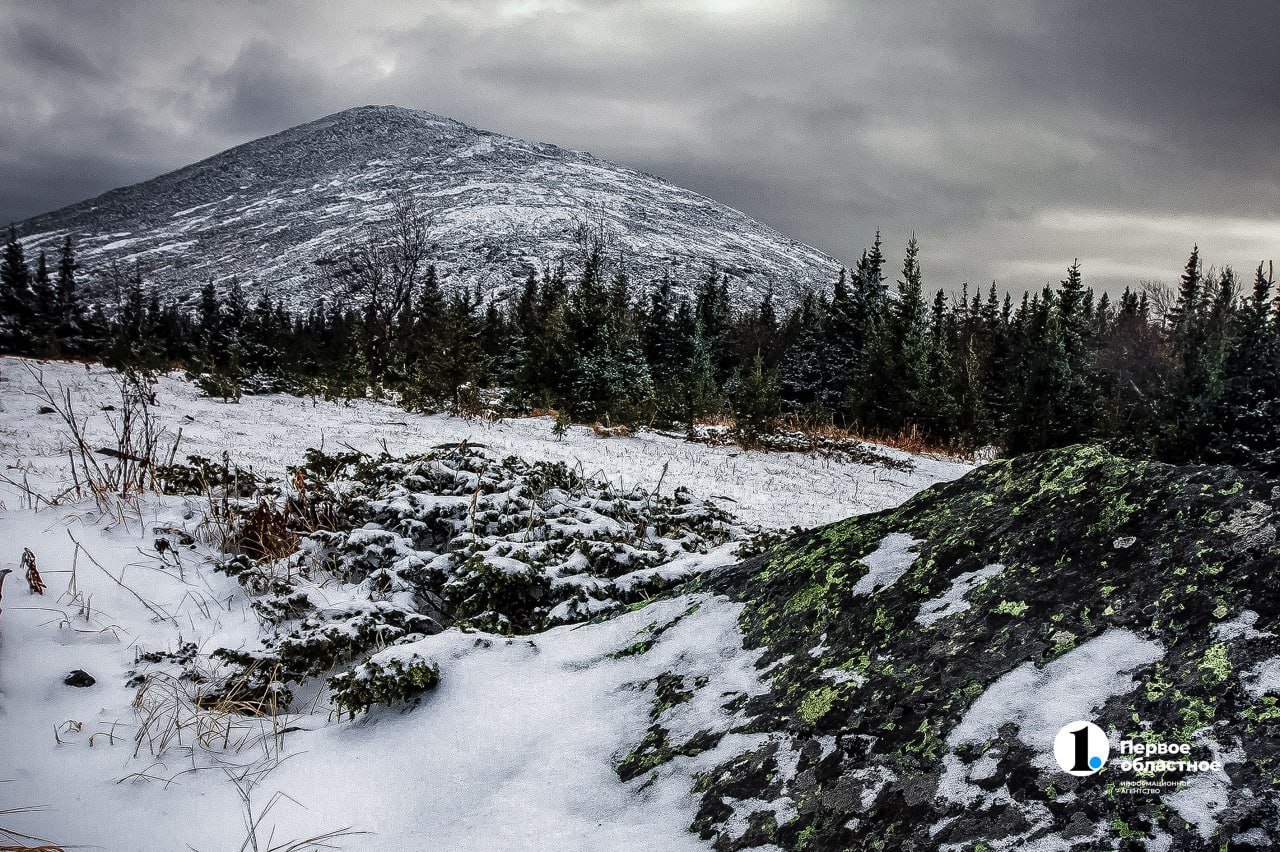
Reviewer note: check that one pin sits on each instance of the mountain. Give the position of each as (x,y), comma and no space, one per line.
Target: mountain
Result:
(498,208)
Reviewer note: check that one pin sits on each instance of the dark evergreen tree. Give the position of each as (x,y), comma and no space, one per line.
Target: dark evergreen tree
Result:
(15,297)
(72,330)
(756,404)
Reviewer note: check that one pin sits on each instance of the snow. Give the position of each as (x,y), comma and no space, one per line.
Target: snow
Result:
(1040,701)
(512,751)
(1240,627)
(1205,794)
(1262,679)
(953,600)
(266,433)
(515,749)
(889,561)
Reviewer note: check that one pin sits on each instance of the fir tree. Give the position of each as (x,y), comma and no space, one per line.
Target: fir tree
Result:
(71,328)
(15,297)
(756,405)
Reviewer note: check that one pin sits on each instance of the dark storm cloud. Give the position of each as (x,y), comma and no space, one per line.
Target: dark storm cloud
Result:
(1012,137)
(37,48)
(263,84)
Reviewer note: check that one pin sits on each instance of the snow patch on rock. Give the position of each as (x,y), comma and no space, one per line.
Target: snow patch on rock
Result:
(887,563)
(953,600)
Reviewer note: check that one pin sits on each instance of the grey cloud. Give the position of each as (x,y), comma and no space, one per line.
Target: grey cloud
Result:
(264,90)
(976,125)
(37,48)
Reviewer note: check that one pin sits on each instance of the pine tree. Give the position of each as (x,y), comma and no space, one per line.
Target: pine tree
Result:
(1182,315)
(15,297)
(756,405)
(940,417)
(805,375)
(715,318)
(1248,411)
(71,328)
(44,309)
(1190,404)
(1074,409)
(891,389)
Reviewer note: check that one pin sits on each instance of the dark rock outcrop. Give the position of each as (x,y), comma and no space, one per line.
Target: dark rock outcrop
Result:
(920,661)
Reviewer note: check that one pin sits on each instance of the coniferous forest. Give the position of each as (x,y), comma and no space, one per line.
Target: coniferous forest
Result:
(1185,374)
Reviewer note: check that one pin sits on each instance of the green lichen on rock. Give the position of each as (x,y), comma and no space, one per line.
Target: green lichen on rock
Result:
(1089,542)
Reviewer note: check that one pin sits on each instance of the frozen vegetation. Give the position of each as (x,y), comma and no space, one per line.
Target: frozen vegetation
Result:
(428,631)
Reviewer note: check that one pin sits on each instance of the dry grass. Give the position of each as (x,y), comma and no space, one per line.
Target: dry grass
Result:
(603,431)
(127,465)
(258,837)
(208,713)
(909,440)
(256,818)
(12,840)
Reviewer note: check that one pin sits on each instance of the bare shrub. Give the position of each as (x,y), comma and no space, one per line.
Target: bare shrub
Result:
(264,533)
(139,447)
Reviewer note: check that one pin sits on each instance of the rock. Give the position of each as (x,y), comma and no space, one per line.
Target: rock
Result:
(1198,599)
(80,678)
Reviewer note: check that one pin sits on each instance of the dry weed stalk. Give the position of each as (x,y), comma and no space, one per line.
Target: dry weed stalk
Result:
(254,818)
(12,840)
(111,474)
(34,581)
(210,713)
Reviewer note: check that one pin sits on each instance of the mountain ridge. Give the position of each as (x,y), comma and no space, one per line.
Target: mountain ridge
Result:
(498,208)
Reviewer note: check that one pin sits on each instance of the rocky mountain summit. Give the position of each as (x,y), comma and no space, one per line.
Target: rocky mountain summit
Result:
(919,663)
(497,207)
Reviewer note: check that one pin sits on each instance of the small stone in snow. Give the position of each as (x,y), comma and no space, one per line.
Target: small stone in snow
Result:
(79,678)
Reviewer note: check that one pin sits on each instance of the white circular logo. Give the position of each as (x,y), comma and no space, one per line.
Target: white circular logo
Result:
(1081,748)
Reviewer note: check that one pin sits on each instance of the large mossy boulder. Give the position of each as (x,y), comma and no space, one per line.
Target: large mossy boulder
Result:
(920,661)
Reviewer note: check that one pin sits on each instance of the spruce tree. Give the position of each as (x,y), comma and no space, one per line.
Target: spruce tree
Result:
(756,405)
(15,297)
(71,331)
(44,309)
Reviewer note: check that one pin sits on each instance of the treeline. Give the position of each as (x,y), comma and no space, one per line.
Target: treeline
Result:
(1188,375)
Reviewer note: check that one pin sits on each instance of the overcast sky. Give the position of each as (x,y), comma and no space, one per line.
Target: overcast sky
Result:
(1010,136)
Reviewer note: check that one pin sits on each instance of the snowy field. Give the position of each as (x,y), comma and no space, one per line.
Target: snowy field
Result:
(269,432)
(515,749)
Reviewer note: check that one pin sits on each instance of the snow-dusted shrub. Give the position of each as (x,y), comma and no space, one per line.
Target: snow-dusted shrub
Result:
(389,550)
(498,594)
(200,475)
(386,679)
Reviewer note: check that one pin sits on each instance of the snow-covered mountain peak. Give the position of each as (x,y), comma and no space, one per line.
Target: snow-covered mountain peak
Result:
(266,211)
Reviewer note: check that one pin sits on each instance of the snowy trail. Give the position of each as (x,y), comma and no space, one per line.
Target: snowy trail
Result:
(514,750)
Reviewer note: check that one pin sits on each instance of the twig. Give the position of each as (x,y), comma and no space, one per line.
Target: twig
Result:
(159,613)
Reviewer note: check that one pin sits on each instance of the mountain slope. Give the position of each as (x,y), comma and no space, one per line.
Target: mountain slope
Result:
(499,207)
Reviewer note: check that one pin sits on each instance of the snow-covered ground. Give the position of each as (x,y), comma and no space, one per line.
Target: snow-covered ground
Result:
(515,749)
(269,432)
